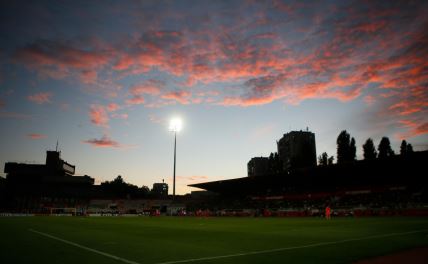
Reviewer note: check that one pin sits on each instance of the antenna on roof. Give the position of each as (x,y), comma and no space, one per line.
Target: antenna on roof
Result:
(56,149)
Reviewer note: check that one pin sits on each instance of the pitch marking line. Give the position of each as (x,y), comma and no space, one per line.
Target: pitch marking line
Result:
(294,247)
(84,247)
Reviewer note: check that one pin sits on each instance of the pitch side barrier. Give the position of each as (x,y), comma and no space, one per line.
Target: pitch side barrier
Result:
(68,215)
(338,212)
(291,212)
(15,215)
(35,214)
(116,215)
(386,212)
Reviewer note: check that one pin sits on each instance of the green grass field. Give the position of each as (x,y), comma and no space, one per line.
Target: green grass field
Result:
(215,240)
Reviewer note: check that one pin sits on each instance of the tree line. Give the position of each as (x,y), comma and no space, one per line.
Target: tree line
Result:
(347,150)
(120,189)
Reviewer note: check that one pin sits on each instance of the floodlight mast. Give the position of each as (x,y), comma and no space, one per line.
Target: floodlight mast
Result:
(175,147)
(175,126)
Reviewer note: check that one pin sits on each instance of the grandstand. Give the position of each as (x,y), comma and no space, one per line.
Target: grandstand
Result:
(396,170)
(392,186)
(396,186)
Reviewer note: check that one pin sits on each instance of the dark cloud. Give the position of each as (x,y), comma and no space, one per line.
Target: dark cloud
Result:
(103,142)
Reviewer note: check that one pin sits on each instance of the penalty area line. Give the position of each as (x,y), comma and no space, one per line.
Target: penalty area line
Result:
(293,247)
(84,247)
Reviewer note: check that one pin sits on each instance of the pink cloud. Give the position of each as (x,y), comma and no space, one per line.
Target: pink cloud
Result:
(112,107)
(180,96)
(135,100)
(421,129)
(407,108)
(414,129)
(36,136)
(120,116)
(88,76)
(238,101)
(344,68)
(189,82)
(40,98)
(124,63)
(369,27)
(196,100)
(152,87)
(104,142)
(98,115)
(58,60)
(192,178)
(198,58)
(49,53)
(268,35)
(159,103)
(368,52)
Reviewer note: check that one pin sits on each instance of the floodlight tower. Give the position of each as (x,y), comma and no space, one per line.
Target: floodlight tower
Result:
(174,126)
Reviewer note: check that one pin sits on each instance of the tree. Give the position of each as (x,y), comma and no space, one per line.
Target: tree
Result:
(323,159)
(384,148)
(144,190)
(352,151)
(346,149)
(369,150)
(118,180)
(119,188)
(343,142)
(409,148)
(330,160)
(403,148)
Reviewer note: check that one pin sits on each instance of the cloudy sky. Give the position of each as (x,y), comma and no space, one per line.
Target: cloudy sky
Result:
(105,77)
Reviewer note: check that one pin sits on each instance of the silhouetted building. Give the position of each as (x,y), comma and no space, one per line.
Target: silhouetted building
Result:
(258,166)
(296,149)
(160,189)
(38,187)
(55,170)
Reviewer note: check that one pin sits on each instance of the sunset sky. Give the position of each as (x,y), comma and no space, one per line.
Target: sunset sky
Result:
(105,77)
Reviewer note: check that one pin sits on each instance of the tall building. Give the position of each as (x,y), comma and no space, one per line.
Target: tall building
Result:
(258,166)
(296,149)
(160,189)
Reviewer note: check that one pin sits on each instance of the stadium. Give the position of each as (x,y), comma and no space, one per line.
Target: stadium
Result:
(214,131)
(378,207)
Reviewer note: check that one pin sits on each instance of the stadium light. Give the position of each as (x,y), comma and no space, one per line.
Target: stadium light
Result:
(175,126)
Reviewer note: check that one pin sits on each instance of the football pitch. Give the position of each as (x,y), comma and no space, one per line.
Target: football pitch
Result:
(155,240)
